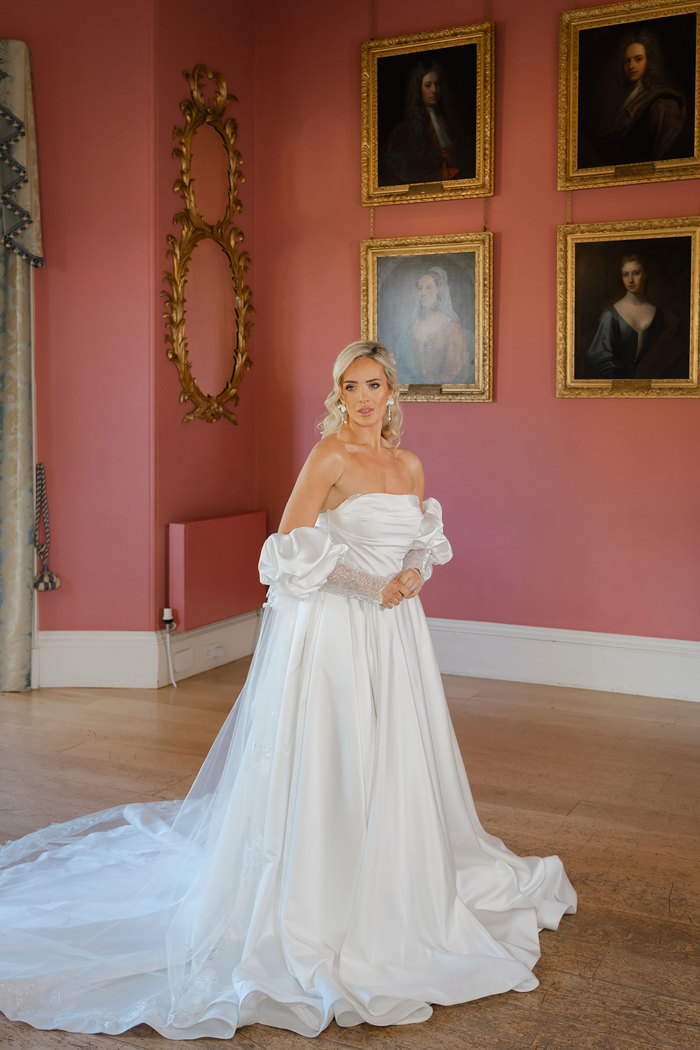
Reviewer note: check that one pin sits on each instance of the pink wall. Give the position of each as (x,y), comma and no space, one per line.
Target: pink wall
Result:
(203,470)
(94,303)
(563,513)
(120,465)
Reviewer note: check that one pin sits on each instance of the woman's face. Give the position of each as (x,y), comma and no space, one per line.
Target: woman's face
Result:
(430,89)
(635,62)
(427,292)
(633,276)
(364,391)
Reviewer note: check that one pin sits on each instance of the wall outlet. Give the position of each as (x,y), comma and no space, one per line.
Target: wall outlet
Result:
(183,660)
(214,652)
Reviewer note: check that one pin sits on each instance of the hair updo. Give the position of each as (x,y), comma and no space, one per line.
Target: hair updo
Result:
(334,420)
(635,257)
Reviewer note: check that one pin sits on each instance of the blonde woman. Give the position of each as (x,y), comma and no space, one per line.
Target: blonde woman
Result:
(328,862)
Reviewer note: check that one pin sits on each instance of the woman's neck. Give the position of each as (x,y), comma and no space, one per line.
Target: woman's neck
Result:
(635,298)
(370,436)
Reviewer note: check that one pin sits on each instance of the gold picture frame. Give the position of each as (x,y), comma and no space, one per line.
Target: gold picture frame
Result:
(629,111)
(628,309)
(430,301)
(408,156)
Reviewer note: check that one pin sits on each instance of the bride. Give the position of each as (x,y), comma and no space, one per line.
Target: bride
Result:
(328,862)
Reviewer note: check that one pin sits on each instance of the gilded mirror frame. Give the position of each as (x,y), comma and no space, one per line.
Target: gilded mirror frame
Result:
(194,229)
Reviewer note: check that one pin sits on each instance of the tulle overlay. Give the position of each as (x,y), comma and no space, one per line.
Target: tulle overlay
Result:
(328,861)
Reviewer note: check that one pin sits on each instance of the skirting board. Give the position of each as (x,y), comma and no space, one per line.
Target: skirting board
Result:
(617,663)
(585,659)
(138,659)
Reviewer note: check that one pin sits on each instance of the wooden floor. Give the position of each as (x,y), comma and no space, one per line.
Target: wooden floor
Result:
(609,782)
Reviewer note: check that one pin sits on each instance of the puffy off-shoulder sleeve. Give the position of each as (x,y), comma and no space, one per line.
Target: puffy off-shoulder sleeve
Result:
(299,563)
(431,546)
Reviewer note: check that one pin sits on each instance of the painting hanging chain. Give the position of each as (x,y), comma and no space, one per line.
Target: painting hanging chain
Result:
(372,31)
(568,195)
(487,18)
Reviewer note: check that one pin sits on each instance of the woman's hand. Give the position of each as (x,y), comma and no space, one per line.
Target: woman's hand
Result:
(411,581)
(406,585)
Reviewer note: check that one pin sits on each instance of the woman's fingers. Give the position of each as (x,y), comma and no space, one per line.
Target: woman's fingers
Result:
(406,585)
(409,582)
(392,595)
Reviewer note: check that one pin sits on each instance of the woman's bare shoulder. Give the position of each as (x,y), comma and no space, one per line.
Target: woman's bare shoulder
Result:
(410,459)
(329,447)
(328,455)
(412,464)
(323,467)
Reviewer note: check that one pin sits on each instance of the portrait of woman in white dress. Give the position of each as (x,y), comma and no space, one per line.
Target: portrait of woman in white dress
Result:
(426,310)
(328,862)
(439,349)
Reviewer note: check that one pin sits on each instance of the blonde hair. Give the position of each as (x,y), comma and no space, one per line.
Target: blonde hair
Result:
(391,429)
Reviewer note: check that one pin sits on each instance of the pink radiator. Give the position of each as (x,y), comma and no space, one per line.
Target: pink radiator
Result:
(213,571)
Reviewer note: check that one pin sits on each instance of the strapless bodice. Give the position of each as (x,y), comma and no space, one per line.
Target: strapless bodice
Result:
(378,528)
(371,531)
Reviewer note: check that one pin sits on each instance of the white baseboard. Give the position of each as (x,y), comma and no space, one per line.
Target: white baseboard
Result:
(138,659)
(618,663)
(585,659)
(231,639)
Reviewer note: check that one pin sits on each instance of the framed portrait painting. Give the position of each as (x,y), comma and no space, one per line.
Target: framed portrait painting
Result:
(428,299)
(628,303)
(427,116)
(629,99)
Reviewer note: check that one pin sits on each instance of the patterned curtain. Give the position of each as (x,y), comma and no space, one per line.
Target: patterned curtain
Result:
(21,250)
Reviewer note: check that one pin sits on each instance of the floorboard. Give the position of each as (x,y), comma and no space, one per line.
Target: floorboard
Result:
(609,782)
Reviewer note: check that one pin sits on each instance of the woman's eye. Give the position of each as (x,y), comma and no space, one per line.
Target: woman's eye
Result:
(374,386)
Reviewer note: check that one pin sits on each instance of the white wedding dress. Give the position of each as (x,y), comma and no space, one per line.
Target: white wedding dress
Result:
(328,861)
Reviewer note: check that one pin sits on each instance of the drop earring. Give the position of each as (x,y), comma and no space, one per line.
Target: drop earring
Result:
(343,409)
(389,403)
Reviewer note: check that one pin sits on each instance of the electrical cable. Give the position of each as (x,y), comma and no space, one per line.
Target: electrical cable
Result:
(169,623)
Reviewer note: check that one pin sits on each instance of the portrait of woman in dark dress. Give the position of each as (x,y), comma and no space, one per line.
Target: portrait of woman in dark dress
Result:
(635,338)
(428,144)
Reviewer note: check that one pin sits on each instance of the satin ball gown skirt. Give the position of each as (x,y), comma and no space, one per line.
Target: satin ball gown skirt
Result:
(328,862)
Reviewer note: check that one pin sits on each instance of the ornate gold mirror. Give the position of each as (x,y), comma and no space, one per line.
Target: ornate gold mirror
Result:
(207,252)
